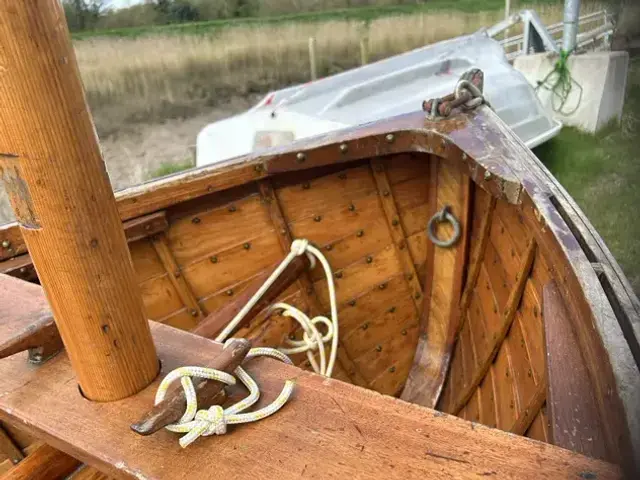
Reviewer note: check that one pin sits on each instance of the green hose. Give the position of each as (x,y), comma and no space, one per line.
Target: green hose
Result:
(560,83)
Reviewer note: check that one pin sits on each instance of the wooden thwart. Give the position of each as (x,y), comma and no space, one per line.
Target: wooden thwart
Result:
(355,429)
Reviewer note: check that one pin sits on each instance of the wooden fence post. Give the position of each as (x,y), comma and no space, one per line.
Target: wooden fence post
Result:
(312,58)
(57,182)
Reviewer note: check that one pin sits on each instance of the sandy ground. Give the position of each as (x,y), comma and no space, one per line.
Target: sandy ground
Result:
(137,150)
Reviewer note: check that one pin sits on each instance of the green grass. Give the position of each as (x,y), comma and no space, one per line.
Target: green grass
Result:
(361,13)
(602,174)
(168,168)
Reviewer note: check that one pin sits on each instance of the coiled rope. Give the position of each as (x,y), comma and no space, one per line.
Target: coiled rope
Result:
(196,423)
(312,340)
(560,83)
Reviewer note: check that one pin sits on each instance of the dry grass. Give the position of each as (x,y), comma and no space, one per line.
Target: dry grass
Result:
(156,77)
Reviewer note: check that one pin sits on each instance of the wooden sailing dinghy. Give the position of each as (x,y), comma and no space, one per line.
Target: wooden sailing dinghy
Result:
(467,282)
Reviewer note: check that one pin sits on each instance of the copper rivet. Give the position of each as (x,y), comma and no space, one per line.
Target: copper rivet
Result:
(317,218)
(247,246)
(258,168)
(147,227)
(6,244)
(382,286)
(177,274)
(392,309)
(390,137)
(229,292)
(529,372)
(487,175)
(342,176)
(306,186)
(309,290)
(338,274)
(300,157)
(395,222)
(352,207)
(283,231)
(369,259)
(385,193)
(417,295)
(365,326)
(404,331)
(213,259)
(292,336)
(360,233)
(194,312)
(392,369)
(329,247)
(379,348)
(344,147)
(232,208)
(23,270)
(352,303)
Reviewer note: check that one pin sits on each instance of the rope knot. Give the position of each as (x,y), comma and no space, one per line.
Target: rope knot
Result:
(213,419)
(299,246)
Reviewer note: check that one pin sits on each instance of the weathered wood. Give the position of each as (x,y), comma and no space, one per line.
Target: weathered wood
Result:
(60,192)
(575,422)
(41,338)
(216,321)
(89,473)
(208,392)
(9,448)
(175,276)
(353,422)
(46,463)
(507,318)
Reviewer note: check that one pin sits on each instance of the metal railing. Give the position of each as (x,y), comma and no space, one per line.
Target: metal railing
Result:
(595,30)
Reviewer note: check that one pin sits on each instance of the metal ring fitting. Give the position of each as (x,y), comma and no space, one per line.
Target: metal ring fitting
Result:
(442,216)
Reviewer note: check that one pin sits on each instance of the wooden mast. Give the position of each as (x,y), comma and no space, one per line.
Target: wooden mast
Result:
(53,171)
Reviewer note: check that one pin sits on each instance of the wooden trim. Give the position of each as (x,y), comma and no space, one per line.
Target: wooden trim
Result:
(573,412)
(476,259)
(421,388)
(396,229)
(9,448)
(161,245)
(44,463)
(530,411)
(305,284)
(508,316)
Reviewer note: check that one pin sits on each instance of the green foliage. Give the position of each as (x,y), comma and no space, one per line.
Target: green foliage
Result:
(602,174)
(169,168)
(215,14)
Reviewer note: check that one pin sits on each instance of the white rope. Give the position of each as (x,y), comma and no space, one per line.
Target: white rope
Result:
(312,340)
(196,423)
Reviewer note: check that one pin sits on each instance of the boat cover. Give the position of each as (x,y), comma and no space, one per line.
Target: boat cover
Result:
(383,89)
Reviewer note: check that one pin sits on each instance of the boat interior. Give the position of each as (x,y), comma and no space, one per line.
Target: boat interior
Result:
(455,319)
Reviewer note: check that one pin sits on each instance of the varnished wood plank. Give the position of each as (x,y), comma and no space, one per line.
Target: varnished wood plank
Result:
(538,429)
(530,319)
(507,318)
(530,410)
(574,418)
(504,389)
(285,237)
(145,226)
(423,385)
(500,283)
(9,448)
(46,463)
(397,232)
(487,401)
(176,277)
(523,377)
(408,428)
